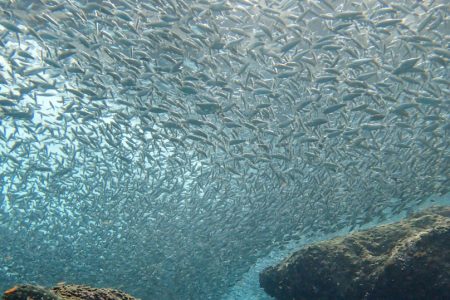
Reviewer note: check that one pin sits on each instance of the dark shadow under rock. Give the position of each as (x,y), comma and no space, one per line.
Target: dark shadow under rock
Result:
(405,260)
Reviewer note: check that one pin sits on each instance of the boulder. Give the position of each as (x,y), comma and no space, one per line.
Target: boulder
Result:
(83,292)
(63,292)
(404,260)
(26,292)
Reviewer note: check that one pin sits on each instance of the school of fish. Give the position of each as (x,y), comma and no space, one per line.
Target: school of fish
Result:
(162,147)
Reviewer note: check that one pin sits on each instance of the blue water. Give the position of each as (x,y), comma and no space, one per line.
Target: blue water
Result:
(174,149)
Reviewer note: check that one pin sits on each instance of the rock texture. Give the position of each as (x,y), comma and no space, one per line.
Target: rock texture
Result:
(27,292)
(82,292)
(405,260)
(63,292)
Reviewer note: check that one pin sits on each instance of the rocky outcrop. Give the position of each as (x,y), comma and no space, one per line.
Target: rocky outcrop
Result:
(26,292)
(82,292)
(405,260)
(63,292)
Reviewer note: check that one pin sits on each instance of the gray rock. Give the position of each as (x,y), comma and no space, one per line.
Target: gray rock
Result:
(405,260)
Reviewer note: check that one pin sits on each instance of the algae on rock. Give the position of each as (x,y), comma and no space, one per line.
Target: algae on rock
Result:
(404,260)
(64,292)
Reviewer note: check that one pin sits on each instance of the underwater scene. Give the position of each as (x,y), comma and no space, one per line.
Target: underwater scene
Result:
(173,149)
